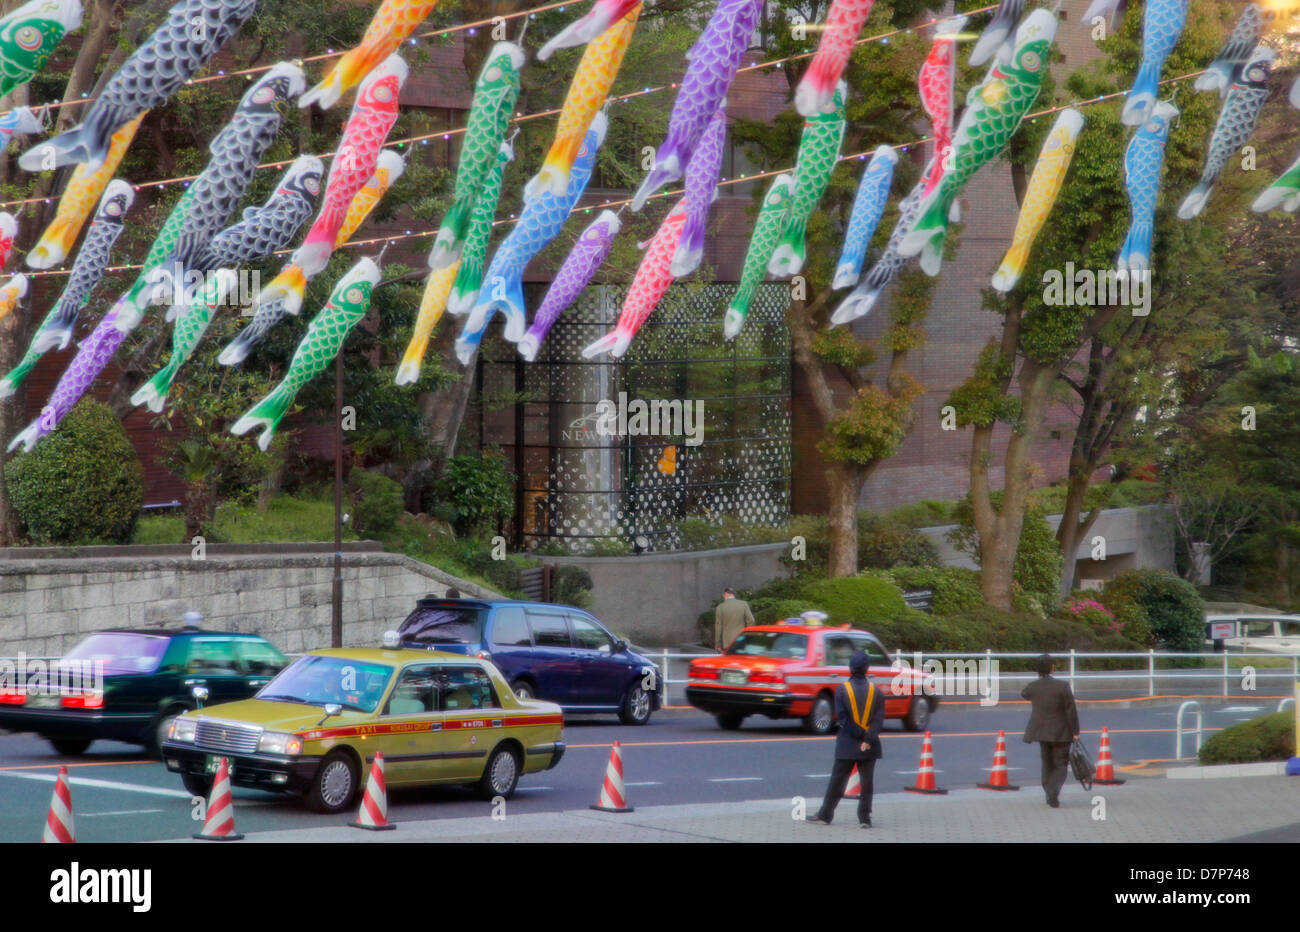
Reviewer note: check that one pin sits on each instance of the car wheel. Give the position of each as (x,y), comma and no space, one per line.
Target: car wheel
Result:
(821,719)
(70,747)
(523,689)
(334,785)
(197,784)
(918,714)
(636,706)
(730,720)
(161,727)
(501,775)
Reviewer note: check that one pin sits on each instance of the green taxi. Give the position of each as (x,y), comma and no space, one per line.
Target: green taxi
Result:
(438,718)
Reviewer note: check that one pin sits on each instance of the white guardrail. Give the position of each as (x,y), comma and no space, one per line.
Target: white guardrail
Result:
(1068,663)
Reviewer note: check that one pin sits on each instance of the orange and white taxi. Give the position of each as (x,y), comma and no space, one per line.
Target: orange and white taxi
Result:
(791,669)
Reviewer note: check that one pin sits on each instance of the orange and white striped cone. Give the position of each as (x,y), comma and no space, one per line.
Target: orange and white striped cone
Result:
(1105,766)
(853,789)
(925,773)
(612,797)
(58,824)
(373,814)
(998,777)
(220,823)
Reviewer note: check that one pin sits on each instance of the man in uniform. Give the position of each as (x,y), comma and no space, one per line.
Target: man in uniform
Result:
(860,710)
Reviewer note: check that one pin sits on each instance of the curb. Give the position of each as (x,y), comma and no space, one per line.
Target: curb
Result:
(1261,769)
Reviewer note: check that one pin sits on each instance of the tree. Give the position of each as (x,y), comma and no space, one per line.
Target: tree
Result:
(865,425)
(1040,344)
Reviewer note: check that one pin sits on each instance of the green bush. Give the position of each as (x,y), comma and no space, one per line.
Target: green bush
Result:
(1269,737)
(571,585)
(726,531)
(83,484)
(1037,570)
(1174,609)
(882,544)
(377,503)
(479,488)
(955,588)
(925,513)
(861,600)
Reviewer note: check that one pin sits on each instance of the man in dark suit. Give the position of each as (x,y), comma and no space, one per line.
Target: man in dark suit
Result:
(860,711)
(1054,723)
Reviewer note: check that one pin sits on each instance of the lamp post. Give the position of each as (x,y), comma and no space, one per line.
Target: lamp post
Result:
(336,596)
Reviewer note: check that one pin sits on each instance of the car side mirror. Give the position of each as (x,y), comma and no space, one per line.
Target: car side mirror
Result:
(332,709)
(620,646)
(200,694)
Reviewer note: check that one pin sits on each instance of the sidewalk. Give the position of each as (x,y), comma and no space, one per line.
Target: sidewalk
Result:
(1146,809)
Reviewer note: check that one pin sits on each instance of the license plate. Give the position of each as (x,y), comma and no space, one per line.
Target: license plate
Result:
(43,702)
(734,676)
(213,762)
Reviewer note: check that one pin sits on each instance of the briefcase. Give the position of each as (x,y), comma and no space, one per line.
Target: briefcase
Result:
(1081,764)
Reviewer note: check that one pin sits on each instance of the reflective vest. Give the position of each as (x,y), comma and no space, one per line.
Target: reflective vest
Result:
(853,704)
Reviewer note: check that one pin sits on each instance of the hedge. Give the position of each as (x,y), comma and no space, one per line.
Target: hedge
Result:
(1269,737)
(1174,609)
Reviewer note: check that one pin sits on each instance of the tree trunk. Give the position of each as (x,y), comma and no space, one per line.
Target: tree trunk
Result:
(842,515)
(1074,527)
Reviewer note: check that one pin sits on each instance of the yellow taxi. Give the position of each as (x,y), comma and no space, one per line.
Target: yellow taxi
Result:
(439,718)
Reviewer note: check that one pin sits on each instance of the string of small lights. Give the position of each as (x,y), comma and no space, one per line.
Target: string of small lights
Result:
(424,139)
(588,208)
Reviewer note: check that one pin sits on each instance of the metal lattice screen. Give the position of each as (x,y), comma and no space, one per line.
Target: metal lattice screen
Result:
(579,484)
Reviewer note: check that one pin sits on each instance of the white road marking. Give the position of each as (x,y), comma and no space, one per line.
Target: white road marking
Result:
(101,784)
(1241,708)
(734,779)
(532,789)
(817,776)
(646,783)
(990,769)
(907,773)
(92,815)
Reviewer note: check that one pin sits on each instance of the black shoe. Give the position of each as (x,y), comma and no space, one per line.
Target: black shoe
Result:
(1054,803)
(818,817)
(866,824)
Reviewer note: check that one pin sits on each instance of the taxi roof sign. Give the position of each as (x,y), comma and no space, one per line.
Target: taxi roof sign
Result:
(813,618)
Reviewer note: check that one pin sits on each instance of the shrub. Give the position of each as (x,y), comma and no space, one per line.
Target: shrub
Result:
(571,585)
(1174,609)
(882,544)
(82,485)
(479,488)
(925,513)
(1037,569)
(1269,737)
(861,600)
(955,588)
(377,502)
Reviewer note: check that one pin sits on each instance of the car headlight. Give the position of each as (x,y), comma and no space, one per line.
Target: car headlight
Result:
(182,729)
(276,743)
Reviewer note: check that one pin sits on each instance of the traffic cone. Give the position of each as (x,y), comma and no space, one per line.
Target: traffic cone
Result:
(373,814)
(998,776)
(1105,766)
(220,824)
(925,774)
(58,824)
(612,797)
(854,787)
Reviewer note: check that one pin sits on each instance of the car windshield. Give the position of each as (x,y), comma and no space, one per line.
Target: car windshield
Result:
(316,680)
(771,644)
(443,623)
(121,652)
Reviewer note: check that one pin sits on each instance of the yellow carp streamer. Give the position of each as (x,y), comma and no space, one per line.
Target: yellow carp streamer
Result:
(432,305)
(387,170)
(587,92)
(1044,185)
(79,200)
(11,292)
(392,22)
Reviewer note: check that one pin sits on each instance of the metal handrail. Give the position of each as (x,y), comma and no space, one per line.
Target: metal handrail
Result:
(664,657)
(1200,724)
(1281,706)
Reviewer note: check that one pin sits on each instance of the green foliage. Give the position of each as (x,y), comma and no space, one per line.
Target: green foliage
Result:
(726,531)
(1269,737)
(981,400)
(926,513)
(956,589)
(882,543)
(1037,570)
(376,503)
(571,585)
(1174,609)
(861,600)
(872,426)
(479,487)
(83,484)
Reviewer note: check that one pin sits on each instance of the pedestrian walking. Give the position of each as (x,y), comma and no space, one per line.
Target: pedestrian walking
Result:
(730,618)
(860,711)
(1053,723)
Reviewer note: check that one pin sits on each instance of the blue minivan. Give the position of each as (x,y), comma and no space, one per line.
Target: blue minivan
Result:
(546,651)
